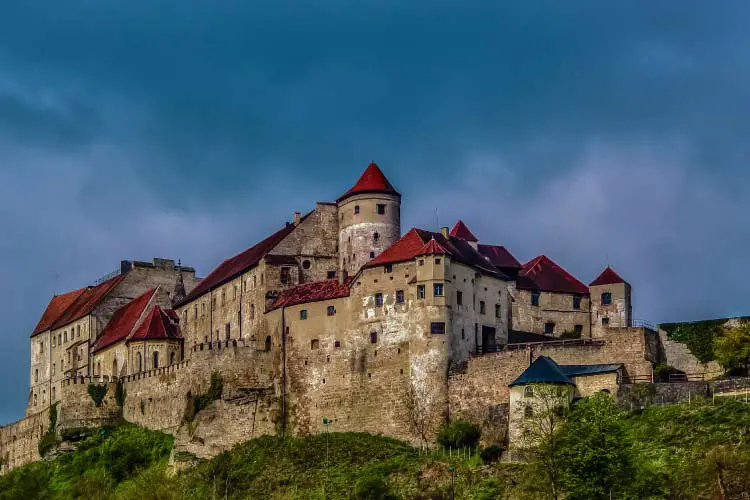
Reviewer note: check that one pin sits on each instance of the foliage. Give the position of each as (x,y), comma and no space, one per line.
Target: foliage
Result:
(662,371)
(371,487)
(698,336)
(732,351)
(570,334)
(195,404)
(120,393)
(97,393)
(49,440)
(459,434)
(491,454)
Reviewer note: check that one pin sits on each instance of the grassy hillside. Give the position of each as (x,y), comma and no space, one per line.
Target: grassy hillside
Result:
(698,335)
(674,451)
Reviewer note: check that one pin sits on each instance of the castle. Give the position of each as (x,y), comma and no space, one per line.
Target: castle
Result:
(336,315)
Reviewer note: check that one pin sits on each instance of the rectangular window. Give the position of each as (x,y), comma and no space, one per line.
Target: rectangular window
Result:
(437,328)
(578,329)
(356,209)
(286,275)
(534,298)
(421,262)
(549,328)
(437,260)
(331,310)
(481,307)
(459,298)
(331,275)
(195,312)
(381,209)
(399,296)
(389,268)
(420,291)
(606,298)
(576,302)
(497,310)
(303,314)
(437,289)
(223,297)
(227,330)
(378,299)
(605,321)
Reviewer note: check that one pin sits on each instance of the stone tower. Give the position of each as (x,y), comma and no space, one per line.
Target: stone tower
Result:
(179,287)
(369,220)
(610,303)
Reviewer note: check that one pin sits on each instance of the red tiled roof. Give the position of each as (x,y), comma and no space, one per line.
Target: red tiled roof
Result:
(311,292)
(238,264)
(432,247)
(55,309)
(545,275)
(123,321)
(460,230)
(87,301)
(608,277)
(499,256)
(411,244)
(157,325)
(372,180)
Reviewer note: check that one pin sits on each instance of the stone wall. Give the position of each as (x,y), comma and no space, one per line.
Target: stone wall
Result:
(632,396)
(554,308)
(77,408)
(19,441)
(678,355)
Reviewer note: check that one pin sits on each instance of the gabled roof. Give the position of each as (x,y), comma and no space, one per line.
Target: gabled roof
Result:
(123,321)
(372,180)
(499,256)
(432,247)
(461,231)
(608,277)
(545,275)
(583,370)
(234,266)
(157,326)
(87,301)
(55,309)
(411,244)
(311,292)
(542,371)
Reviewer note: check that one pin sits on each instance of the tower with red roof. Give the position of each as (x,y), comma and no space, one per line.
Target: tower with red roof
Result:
(611,305)
(369,220)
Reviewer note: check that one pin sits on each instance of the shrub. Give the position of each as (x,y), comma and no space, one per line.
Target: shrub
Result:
(371,487)
(491,454)
(120,393)
(459,434)
(97,393)
(570,334)
(49,440)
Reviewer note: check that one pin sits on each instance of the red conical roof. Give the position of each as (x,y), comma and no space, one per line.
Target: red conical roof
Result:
(372,180)
(462,232)
(432,247)
(608,277)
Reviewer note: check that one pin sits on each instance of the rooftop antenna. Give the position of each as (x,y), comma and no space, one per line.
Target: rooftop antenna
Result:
(437,219)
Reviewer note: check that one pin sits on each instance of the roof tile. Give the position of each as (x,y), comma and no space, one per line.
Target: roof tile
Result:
(87,301)
(157,326)
(123,321)
(55,309)
(499,256)
(372,180)
(545,275)
(460,230)
(311,292)
(608,277)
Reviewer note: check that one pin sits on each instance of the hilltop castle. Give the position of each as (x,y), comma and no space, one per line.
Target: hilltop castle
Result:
(336,315)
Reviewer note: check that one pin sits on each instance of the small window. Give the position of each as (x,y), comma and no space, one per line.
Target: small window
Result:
(576,302)
(549,327)
(528,391)
(420,291)
(286,275)
(381,209)
(36,376)
(437,328)
(337,344)
(534,298)
(195,312)
(605,321)
(388,268)
(331,310)
(482,307)
(399,296)
(356,209)
(373,337)
(378,299)
(421,262)
(223,296)
(463,334)
(53,394)
(227,330)
(375,236)
(234,290)
(252,311)
(156,359)
(459,298)
(306,264)
(528,411)
(372,255)
(255,281)
(578,329)
(303,314)
(54,341)
(78,331)
(314,344)
(171,358)
(65,336)
(331,275)
(606,298)
(497,310)
(438,289)
(268,343)
(54,366)
(437,260)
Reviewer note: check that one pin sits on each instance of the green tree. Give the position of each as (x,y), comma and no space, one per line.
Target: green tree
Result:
(732,350)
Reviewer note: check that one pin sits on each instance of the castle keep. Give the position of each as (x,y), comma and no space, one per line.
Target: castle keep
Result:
(337,314)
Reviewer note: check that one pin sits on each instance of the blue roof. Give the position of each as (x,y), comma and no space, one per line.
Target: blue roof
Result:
(579,370)
(542,370)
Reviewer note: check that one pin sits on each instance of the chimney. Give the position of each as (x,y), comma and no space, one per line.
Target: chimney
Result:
(444,232)
(297,218)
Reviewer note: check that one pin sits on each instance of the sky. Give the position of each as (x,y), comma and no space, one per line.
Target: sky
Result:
(592,132)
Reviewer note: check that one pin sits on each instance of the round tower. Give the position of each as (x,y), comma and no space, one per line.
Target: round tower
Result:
(369,220)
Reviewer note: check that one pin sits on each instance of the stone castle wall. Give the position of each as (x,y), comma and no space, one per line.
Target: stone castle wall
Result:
(77,409)
(19,441)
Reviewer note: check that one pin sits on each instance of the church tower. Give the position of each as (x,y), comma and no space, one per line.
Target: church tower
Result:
(369,220)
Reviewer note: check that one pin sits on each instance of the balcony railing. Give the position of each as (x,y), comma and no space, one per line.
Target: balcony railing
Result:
(642,323)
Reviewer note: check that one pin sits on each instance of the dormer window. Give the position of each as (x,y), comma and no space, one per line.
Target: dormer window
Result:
(606,298)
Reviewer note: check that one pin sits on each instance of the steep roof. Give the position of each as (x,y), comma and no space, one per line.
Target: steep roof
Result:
(432,247)
(156,326)
(55,309)
(499,256)
(460,230)
(87,301)
(234,266)
(411,244)
(542,371)
(123,321)
(545,275)
(311,292)
(372,180)
(607,277)
(582,370)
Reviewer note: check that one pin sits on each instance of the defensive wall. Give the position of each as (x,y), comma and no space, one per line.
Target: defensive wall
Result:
(19,440)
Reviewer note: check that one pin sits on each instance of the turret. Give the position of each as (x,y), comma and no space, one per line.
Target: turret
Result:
(179,287)
(369,220)
(611,305)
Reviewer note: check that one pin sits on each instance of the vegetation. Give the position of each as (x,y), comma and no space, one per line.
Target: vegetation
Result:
(49,440)
(570,335)
(690,452)
(697,335)
(459,434)
(97,393)
(732,350)
(120,393)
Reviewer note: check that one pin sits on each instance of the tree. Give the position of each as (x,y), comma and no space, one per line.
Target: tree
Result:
(732,350)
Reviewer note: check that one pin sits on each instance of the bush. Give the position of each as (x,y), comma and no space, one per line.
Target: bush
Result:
(97,393)
(371,487)
(459,434)
(491,454)
(570,334)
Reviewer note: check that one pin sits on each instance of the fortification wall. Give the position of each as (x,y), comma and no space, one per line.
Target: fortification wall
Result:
(19,441)
(77,408)
(678,355)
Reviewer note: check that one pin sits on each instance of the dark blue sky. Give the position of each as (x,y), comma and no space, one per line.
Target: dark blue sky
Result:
(591,132)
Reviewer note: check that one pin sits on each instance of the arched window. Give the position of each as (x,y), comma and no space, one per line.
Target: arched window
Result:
(528,391)
(606,298)
(171,358)
(314,344)
(44,396)
(528,411)
(114,367)
(139,361)
(59,339)
(268,343)
(373,337)
(35,400)
(156,360)
(53,394)
(65,336)
(99,368)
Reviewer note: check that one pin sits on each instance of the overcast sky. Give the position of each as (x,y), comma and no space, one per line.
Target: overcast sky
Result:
(593,132)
